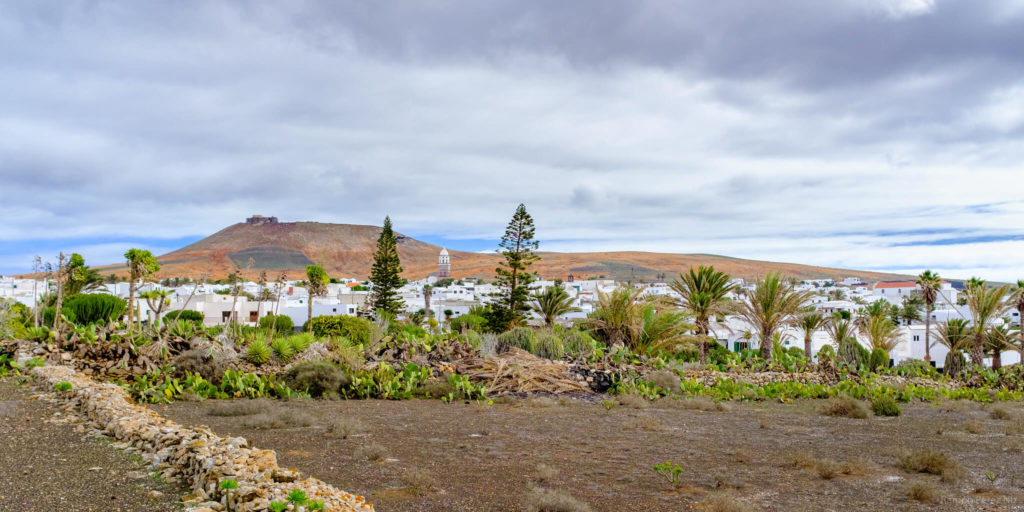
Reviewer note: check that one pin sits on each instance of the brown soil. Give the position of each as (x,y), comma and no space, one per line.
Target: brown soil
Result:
(49,464)
(761,456)
(346,250)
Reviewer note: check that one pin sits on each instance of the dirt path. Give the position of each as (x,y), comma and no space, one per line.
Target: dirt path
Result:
(47,464)
(423,455)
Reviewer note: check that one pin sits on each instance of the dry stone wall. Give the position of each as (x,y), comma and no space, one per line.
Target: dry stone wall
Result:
(194,455)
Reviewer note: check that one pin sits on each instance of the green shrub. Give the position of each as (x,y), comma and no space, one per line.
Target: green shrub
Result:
(282,349)
(356,329)
(827,352)
(257,352)
(915,368)
(472,338)
(472,322)
(518,337)
(187,315)
(284,325)
(718,354)
(50,313)
(300,342)
(62,386)
(549,346)
(318,378)
(576,342)
(885,406)
(878,358)
(92,308)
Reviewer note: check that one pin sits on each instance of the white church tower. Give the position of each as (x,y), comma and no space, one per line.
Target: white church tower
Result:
(444,266)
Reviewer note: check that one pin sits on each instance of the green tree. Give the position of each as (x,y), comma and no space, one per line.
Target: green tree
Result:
(81,278)
(881,334)
(385,273)
(1017,299)
(141,264)
(512,277)
(316,286)
(929,282)
(997,339)
(955,334)
(773,303)
(703,294)
(553,303)
(986,304)
(809,322)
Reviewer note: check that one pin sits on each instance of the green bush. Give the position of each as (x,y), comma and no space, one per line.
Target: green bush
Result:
(284,325)
(356,329)
(318,378)
(282,349)
(472,338)
(187,315)
(915,368)
(257,352)
(576,342)
(473,322)
(827,352)
(549,346)
(518,337)
(718,354)
(300,342)
(885,406)
(50,313)
(878,358)
(92,308)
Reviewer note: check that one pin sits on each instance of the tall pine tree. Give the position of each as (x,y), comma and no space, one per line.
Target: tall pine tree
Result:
(384,275)
(513,278)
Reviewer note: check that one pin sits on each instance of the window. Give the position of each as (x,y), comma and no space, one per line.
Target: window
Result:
(225,316)
(254,316)
(917,337)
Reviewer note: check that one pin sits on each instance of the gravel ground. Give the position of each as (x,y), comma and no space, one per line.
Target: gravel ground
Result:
(424,455)
(48,464)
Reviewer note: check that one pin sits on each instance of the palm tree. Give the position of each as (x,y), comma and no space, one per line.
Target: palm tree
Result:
(316,285)
(929,282)
(955,334)
(881,333)
(616,318)
(809,322)
(1018,303)
(704,295)
(141,264)
(428,292)
(986,304)
(771,304)
(997,339)
(552,303)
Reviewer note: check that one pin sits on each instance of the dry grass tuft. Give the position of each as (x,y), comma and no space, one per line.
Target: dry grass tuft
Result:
(646,423)
(665,379)
(1015,446)
(544,473)
(922,492)
(974,427)
(1000,413)
(541,401)
(241,407)
(932,462)
(741,456)
(278,419)
(552,500)
(801,460)
(855,467)
(827,469)
(419,481)
(346,427)
(634,401)
(725,503)
(845,407)
(370,451)
(701,404)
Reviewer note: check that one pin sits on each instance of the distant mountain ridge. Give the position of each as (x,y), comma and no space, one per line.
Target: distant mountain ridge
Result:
(346,250)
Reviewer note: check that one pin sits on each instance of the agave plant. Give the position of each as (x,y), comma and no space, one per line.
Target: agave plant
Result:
(282,349)
(258,352)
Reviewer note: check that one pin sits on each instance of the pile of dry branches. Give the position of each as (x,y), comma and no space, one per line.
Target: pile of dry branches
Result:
(518,371)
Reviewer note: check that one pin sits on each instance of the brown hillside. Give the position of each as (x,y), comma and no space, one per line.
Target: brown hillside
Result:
(346,250)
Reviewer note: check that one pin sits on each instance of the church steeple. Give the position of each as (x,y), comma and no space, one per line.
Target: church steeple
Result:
(444,266)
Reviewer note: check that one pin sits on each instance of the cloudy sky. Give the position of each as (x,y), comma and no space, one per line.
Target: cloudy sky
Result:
(870,134)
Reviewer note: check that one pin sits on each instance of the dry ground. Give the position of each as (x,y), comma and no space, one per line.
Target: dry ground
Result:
(426,455)
(47,464)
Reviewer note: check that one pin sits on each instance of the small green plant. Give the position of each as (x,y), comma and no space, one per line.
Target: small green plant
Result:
(227,485)
(258,352)
(62,386)
(670,471)
(297,497)
(278,506)
(315,505)
(609,404)
(885,406)
(992,477)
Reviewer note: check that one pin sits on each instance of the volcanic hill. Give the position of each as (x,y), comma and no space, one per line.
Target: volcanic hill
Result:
(346,250)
